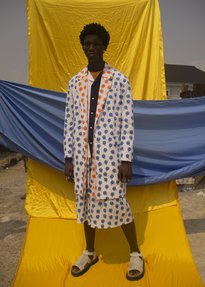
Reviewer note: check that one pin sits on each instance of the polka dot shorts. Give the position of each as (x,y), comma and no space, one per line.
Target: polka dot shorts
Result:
(102,213)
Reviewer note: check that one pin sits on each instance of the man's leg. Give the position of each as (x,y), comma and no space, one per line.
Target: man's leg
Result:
(90,240)
(130,234)
(89,237)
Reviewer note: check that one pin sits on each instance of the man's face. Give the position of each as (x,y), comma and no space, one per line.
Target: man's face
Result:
(93,48)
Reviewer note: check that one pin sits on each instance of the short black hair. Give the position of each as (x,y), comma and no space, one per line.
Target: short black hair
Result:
(95,29)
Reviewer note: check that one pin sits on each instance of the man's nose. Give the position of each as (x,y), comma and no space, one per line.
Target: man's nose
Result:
(91,47)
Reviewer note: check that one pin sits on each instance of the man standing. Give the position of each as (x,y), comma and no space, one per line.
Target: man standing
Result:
(98,149)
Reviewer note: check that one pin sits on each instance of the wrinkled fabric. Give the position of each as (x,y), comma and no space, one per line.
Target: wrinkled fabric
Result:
(169,135)
(135,49)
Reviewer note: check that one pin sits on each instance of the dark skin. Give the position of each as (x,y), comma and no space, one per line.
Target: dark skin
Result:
(94,49)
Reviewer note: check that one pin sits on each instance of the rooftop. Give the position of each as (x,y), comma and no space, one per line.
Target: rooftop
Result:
(184,74)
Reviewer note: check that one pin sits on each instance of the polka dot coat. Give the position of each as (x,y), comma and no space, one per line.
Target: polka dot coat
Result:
(113,133)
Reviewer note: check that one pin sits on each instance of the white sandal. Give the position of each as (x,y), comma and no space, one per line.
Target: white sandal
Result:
(84,263)
(136,264)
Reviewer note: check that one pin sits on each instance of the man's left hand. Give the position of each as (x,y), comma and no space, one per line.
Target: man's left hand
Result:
(125,171)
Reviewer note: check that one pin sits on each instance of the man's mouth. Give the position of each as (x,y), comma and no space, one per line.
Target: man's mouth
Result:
(91,53)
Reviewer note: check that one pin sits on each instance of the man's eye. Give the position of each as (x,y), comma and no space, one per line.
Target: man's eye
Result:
(93,44)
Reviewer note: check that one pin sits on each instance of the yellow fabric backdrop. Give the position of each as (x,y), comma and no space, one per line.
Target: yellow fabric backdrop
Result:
(54,240)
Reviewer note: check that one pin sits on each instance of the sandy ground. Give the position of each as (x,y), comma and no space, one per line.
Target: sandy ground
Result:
(13,222)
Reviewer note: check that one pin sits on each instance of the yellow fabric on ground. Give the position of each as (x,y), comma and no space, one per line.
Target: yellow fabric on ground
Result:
(54,240)
(52,245)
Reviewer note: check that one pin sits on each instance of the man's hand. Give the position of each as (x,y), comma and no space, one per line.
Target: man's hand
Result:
(69,170)
(125,171)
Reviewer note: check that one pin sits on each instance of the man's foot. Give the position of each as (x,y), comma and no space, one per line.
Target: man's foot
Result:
(86,260)
(136,267)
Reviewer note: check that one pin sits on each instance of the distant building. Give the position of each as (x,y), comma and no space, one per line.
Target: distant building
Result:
(187,81)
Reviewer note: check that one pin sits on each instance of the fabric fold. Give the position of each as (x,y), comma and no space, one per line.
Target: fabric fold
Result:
(169,135)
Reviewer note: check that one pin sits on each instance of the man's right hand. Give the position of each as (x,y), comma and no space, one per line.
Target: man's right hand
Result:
(69,170)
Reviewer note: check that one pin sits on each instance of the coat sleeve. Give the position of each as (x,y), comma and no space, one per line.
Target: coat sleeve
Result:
(127,124)
(68,124)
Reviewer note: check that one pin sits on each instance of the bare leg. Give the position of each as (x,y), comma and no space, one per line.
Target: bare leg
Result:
(90,240)
(89,236)
(130,234)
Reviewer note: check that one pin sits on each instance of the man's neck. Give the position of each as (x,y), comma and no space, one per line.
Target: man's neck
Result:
(95,74)
(96,67)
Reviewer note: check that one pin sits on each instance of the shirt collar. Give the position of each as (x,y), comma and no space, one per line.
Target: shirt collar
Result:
(90,77)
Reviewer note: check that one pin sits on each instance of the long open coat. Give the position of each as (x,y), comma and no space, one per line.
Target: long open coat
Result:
(113,132)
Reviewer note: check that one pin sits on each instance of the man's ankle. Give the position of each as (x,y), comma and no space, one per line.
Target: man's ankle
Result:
(90,249)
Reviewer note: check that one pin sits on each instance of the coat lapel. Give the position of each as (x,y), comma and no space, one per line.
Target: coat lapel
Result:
(82,92)
(105,85)
(82,89)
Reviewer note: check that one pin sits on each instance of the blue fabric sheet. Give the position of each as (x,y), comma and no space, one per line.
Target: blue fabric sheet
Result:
(169,135)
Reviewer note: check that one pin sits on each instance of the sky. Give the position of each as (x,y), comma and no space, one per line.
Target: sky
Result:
(183,25)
